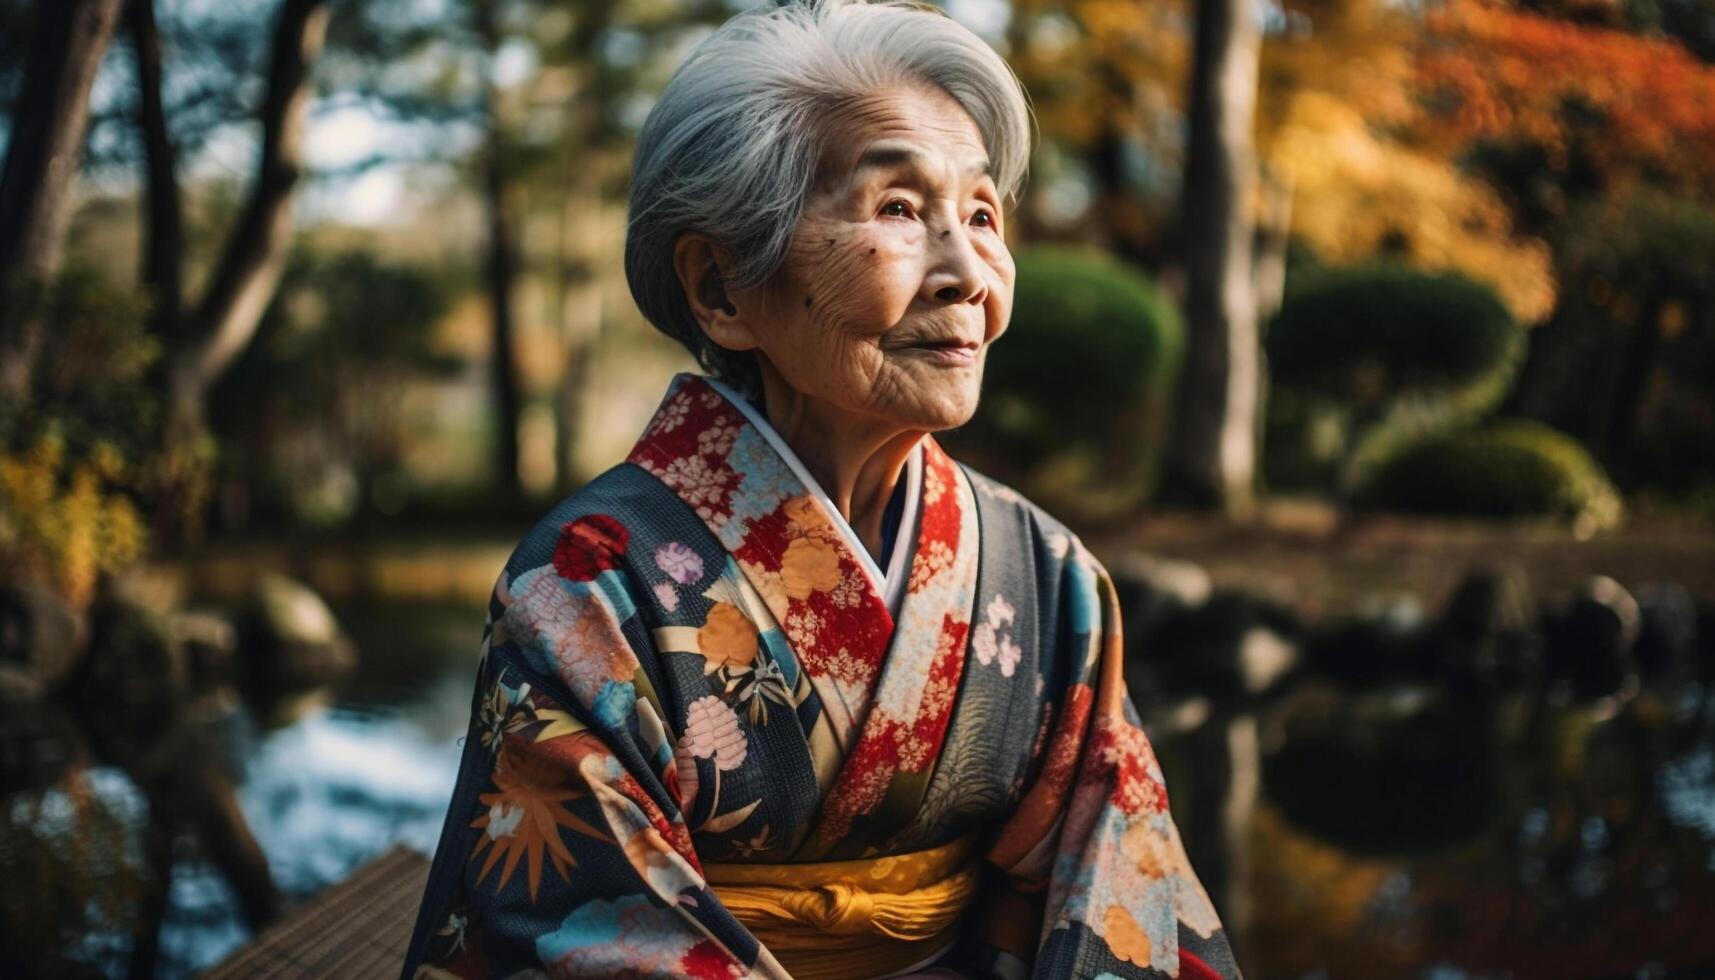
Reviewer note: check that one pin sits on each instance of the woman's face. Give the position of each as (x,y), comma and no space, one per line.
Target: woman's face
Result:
(898,277)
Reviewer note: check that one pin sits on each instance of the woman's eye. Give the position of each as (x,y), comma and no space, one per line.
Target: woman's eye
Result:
(897,202)
(988,219)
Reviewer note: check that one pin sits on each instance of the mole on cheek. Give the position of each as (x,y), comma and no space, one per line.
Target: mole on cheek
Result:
(872,251)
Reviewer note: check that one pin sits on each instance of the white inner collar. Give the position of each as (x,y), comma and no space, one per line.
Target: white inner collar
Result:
(891,585)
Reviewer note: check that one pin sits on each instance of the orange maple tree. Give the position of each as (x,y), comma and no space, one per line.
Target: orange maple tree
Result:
(1634,108)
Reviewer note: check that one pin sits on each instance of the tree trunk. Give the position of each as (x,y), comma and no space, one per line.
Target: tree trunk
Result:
(580,309)
(1210,459)
(1273,234)
(41,159)
(205,341)
(1637,363)
(163,247)
(1268,280)
(582,222)
(499,268)
(1116,220)
(254,255)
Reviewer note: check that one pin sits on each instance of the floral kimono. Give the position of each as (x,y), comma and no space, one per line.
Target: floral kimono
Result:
(710,738)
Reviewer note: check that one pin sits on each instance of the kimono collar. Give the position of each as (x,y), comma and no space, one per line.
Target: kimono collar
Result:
(892,581)
(884,676)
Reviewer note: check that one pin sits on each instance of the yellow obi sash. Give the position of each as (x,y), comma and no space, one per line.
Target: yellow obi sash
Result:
(894,910)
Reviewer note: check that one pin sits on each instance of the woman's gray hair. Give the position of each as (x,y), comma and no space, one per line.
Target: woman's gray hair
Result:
(733,147)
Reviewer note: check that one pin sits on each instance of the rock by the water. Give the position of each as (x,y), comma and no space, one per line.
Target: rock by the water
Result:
(39,743)
(210,639)
(1590,638)
(41,639)
(133,686)
(1486,636)
(1234,648)
(1667,633)
(1379,646)
(290,645)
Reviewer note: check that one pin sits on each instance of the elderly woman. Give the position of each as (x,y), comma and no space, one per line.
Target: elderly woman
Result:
(789,692)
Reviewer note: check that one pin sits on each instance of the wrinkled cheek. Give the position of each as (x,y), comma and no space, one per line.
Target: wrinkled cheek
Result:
(819,344)
(998,309)
(857,288)
(997,317)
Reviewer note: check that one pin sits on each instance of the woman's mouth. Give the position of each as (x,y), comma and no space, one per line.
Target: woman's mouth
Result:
(951,352)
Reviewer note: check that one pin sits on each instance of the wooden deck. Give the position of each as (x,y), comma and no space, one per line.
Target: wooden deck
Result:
(358,928)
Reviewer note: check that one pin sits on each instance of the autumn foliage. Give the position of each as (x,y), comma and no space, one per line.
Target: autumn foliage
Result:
(1630,107)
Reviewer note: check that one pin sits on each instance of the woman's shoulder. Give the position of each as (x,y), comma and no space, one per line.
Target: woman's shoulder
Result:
(1004,509)
(600,515)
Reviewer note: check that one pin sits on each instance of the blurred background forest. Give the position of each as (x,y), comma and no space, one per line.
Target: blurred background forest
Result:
(1371,343)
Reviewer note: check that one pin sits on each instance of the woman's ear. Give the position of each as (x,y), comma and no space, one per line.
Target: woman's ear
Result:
(700,264)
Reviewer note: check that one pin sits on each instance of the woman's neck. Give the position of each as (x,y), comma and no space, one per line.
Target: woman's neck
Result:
(857,460)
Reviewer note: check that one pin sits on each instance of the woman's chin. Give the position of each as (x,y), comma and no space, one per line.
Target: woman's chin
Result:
(947,408)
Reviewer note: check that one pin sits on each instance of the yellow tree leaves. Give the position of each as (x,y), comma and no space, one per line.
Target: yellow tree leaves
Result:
(63,521)
(1355,195)
(1368,110)
(1097,65)
(1334,89)
(1357,51)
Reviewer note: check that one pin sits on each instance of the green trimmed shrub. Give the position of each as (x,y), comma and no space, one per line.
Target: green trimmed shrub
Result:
(1364,333)
(1381,355)
(1508,469)
(1077,389)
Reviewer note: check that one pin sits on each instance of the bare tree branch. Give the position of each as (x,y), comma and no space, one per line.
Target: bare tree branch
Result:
(255,254)
(164,245)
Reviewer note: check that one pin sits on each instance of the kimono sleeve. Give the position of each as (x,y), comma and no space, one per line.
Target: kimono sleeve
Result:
(1091,856)
(564,849)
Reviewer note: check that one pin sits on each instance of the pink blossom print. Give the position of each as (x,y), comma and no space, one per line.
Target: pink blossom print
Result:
(681,564)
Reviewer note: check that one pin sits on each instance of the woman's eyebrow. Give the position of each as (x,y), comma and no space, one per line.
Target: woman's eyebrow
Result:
(885,156)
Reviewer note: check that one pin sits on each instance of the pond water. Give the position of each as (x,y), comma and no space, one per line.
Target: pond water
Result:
(323,795)
(1567,845)
(1523,840)
(343,785)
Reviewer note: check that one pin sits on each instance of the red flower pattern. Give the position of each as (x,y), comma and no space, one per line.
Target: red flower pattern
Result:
(589,546)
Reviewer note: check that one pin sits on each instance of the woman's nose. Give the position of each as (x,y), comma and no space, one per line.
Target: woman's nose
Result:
(956,272)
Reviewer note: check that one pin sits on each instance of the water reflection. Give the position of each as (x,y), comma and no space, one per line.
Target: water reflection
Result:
(1401,833)
(323,796)
(1594,856)
(1688,791)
